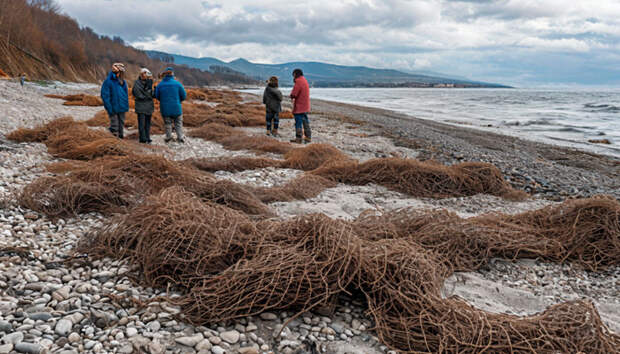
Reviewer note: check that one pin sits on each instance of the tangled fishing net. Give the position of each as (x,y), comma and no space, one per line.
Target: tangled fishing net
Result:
(423,179)
(132,178)
(232,267)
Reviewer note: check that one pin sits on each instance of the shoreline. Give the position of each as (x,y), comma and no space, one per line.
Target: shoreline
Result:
(551,170)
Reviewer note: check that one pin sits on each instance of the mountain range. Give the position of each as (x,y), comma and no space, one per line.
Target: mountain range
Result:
(321,74)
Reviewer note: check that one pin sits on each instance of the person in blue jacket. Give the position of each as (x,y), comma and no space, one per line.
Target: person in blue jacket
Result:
(116,99)
(170,94)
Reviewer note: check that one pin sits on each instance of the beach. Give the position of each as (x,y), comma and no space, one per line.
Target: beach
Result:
(59,306)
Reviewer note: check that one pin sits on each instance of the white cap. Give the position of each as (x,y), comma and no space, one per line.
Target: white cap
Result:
(146,71)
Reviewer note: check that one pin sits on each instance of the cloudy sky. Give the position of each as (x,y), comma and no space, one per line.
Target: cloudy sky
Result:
(518,42)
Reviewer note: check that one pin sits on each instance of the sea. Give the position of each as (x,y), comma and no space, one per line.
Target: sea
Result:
(566,117)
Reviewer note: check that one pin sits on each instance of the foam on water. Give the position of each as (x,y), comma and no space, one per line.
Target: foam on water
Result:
(561,117)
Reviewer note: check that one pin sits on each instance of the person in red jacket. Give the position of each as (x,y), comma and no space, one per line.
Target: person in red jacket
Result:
(301,107)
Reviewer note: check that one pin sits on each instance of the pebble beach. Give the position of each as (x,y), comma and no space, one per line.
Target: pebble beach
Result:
(53,300)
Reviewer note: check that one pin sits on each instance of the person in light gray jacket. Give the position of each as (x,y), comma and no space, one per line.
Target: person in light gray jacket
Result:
(272,98)
(143,93)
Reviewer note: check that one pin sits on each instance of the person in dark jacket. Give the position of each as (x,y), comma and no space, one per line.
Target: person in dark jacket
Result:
(143,93)
(170,94)
(115,98)
(272,98)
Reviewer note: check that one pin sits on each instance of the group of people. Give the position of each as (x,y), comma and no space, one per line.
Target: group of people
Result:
(272,98)
(170,93)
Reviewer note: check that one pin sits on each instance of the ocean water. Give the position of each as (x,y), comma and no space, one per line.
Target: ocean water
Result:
(560,117)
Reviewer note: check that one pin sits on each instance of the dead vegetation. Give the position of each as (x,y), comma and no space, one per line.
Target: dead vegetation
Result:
(232,267)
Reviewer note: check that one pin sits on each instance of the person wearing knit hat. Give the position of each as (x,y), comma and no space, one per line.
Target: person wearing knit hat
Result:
(115,97)
(272,99)
(143,93)
(170,94)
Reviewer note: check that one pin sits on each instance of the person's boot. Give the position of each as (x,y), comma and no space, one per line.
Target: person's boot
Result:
(307,140)
(268,132)
(297,137)
(275,132)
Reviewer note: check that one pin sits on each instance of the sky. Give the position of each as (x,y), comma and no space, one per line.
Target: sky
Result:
(524,43)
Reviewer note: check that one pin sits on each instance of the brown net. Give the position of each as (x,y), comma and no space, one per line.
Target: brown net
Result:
(313,156)
(40,133)
(232,164)
(303,187)
(422,179)
(133,177)
(233,267)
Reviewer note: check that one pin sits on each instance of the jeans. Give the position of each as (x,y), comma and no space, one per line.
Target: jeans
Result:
(117,123)
(301,120)
(272,117)
(144,127)
(178,126)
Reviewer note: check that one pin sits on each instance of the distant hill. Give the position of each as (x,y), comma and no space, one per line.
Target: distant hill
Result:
(325,75)
(38,40)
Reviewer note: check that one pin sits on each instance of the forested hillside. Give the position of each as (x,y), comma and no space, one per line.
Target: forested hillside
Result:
(37,39)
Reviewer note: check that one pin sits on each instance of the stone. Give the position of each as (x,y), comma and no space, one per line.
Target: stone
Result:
(6,348)
(215,340)
(268,316)
(40,316)
(190,341)
(63,327)
(204,345)
(131,332)
(6,326)
(251,327)
(74,337)
(218,350)
(231,337)
(248,350)
(29,348)
(154,326)
(126,349)
(13,338)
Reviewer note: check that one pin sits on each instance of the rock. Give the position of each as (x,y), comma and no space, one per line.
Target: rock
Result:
(29,348)
(6,326)
(203,345)
(251,327)
(40,316)
(231,337)
(248,350)
(13,338)
(215,340)
(154,326)
(74,337)
(63,327)
(126,349)
(218,350)
(6,348)
(268,316)
(62,293)
(190,341)
(131,332)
